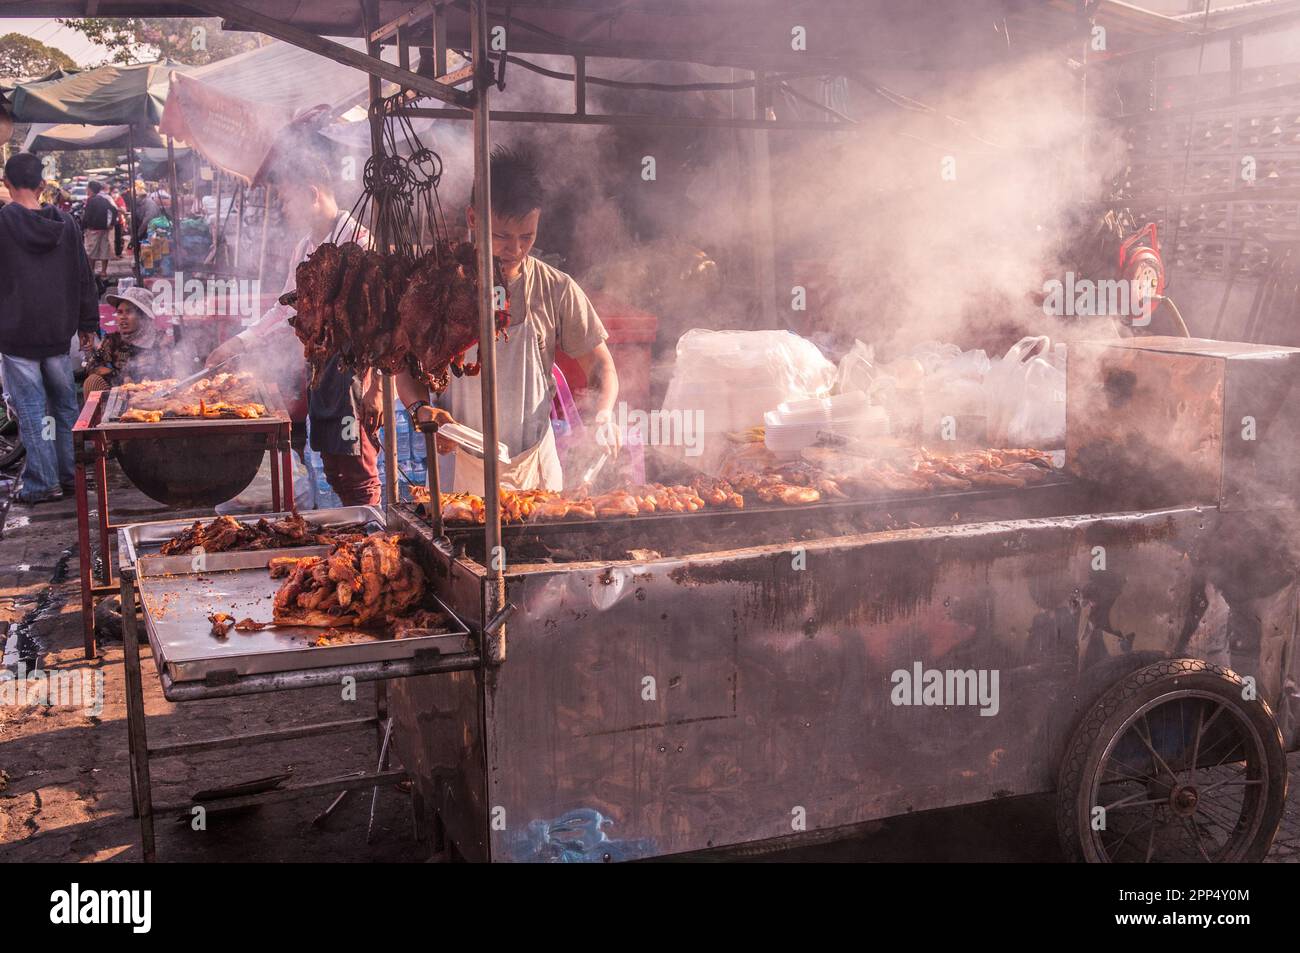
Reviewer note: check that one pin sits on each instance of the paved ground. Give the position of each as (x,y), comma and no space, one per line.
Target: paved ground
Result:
(64,790)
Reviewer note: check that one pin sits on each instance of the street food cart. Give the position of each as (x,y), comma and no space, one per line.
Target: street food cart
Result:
(644,687)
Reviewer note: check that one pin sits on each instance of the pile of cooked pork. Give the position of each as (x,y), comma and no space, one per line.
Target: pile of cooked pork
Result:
(225,533)
(385,311)
(359,583)
(818,477)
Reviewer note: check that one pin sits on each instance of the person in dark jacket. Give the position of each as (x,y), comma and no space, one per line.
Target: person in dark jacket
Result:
(97,227)
(47,293)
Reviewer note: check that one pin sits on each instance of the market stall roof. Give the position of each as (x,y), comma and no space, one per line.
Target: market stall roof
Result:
(7,87)
(64,137)
(288,77)
(106,96)
(754,34)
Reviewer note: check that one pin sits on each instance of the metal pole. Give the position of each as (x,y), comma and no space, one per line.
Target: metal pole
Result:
(388,391)
(175,213)
(495,649)
(239,225)
(764,246)
(430,431)
(135,203)
(221,224)
(268,193)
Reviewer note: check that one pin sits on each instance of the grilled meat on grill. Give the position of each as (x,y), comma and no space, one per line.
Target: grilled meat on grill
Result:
(832,477)
(222,395)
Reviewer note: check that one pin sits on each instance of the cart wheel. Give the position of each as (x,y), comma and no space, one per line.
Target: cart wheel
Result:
(1173,765)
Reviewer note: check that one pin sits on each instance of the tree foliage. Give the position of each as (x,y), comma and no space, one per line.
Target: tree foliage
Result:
(21,57)
(195,41)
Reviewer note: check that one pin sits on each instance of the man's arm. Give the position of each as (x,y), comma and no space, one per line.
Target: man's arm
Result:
(409,391)
(602,377)
(602,384)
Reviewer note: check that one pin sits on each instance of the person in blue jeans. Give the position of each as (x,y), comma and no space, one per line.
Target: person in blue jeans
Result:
(47,293)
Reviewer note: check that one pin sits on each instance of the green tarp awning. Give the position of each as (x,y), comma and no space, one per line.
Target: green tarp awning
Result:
(105,96)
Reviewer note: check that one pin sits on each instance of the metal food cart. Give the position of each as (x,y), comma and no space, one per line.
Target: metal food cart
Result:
(730,692)
(740,685)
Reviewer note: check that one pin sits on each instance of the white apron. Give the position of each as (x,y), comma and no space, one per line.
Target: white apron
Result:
(524,391)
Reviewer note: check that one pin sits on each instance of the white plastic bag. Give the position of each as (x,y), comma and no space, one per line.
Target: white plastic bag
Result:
(725,381)
(732,378)
(1025,396)
(856,370)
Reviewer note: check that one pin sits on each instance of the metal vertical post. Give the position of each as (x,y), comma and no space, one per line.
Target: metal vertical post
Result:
(764,246)
(580,85)
(135,202)
(175,212)
(495,649)
(439,41)
(370,15)
(135,724)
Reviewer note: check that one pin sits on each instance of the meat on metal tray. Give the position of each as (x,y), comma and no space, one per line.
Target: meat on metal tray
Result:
(145,540)
(178,600)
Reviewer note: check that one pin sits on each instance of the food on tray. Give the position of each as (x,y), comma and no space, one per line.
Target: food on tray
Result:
(225,533)
(222,622)
(385,311)
(222,395)
(821,475)
(357,584)
(281,566)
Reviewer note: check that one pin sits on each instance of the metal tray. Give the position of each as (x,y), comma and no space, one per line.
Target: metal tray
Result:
(177,602)
(144,540)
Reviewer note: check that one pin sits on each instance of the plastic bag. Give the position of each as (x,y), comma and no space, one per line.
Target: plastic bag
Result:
(1025,395)
(725,381)
(856,370)
(732,378)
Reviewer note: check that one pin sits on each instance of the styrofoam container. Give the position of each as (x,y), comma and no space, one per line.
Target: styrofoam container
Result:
(811,410)
(848,404)
(788,438)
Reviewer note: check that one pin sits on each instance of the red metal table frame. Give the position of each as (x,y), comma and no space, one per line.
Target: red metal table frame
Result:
(91,444)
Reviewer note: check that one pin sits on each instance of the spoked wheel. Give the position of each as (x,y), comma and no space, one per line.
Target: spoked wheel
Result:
(1173,765)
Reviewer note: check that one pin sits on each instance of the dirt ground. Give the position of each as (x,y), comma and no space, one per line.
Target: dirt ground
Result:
(65,793)
(64,787)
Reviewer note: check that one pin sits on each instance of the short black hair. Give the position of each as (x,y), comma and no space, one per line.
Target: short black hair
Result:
(516,182)
(24,171)
(304,168)
(94,188)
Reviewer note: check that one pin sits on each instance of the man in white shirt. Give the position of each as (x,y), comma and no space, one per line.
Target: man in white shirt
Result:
(548,312)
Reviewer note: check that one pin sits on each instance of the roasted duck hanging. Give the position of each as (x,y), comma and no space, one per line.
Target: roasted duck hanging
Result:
(385,311)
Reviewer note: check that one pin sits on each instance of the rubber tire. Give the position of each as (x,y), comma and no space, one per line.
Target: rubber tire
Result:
(1106,718)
